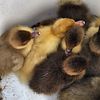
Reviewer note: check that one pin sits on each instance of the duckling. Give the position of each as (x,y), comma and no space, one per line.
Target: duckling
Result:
(86,89)
(90,51)
(14,46)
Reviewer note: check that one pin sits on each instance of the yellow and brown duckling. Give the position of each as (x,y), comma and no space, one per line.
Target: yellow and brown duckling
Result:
(15,44)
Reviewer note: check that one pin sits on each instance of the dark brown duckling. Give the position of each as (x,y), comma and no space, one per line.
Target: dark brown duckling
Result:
(51,74)
(76,10)
(86,89)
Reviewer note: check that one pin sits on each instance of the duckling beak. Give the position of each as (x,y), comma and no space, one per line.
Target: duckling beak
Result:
(68,52)
(80,23)
(35,33)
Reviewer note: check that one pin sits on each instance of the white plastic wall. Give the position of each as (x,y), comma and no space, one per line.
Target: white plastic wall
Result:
(14,12)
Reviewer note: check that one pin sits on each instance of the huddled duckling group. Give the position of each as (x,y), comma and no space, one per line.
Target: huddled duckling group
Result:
(57,55)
